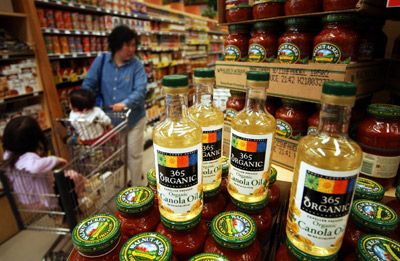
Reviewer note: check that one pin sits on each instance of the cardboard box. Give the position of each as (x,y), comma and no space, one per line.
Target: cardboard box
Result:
(303,81)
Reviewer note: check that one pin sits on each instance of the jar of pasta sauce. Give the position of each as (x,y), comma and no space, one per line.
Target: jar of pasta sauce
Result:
(274,192)
(235,104)
(336,5)
(295,45)
(379,138)
(283,253)
(263,43)
(338,41)
(313,122)
(267,8)
(295,7)
(236,44)
(214,203)
(237,10)
(291,119)
(376,247)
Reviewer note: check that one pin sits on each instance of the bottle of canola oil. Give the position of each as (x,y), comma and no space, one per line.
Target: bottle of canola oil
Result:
(252,134)
(211,120)
(325,173)
(178,156)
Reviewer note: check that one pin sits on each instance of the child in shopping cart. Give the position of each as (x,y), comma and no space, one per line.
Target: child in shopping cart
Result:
(89,122)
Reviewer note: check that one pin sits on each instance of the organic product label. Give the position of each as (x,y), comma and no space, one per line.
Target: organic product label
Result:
(289,53)
(379,248)
(249,158)
(234,226)
(257,53)
(374,211)
(232,53)
(134,197)
(179,178)
(327,53)
(97,229)
(380,166)
(146,246)
(208,257)
(368,186)
(319,212)
(212,153)
(283,128)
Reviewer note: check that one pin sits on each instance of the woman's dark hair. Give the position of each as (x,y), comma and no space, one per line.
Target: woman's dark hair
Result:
(82,99)
(21,135)
(119,36)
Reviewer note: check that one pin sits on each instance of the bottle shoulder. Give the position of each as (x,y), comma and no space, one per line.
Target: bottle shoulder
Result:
(206,115)
(253,121)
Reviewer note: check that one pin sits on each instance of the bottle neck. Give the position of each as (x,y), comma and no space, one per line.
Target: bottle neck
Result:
(335,25)
(334,119)
(204,94)
(256,99)
(176,106)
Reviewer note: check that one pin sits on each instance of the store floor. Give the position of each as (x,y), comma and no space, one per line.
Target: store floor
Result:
(30,245)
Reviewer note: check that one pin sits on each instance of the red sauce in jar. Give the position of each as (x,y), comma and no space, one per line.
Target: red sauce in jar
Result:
(111,256)
(338,41)
(263,43)
(214,203)
(136,211)
(268,8)
(274,195)
(283,254)
(236,43)
(237,10)
(291,119)
(235,104)
(379,138)
(295,7)
(271,105)
(188,243)
(237,244)
(295,45)
(313,122)
(336,5)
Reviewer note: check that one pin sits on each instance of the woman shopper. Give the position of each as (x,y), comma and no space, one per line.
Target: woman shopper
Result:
(119,79)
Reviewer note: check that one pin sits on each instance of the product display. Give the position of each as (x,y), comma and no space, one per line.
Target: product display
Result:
(268,8)
(291,119)
(337,5)
(214,203)
(237,10)
(263,43)
(295,7)
(237,43)
(368,189)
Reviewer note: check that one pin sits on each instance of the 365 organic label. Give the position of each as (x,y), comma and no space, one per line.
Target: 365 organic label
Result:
(212,153)
(322,204)
(327,53)
(288,53)
(249,159)
(179,178)
(232,53)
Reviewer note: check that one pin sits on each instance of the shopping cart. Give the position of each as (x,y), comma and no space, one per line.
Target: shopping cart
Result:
(57,201)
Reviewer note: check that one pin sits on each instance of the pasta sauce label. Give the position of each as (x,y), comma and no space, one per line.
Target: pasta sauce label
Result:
(257,53)
(380,166)
(318,214)
(283,128)
(250,160)
(179,178)
(327,53)
(212,153)
(146,246)
(232,53)
(289,53)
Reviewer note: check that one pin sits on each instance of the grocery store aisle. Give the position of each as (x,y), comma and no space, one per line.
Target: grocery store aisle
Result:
(30,245)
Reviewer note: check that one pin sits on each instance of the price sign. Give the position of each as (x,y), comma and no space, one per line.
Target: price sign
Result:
(393,3)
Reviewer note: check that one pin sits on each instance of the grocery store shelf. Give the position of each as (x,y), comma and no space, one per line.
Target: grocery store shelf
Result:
(151,102)
(220,52)
(160,33)
(217,41)
(197,43)
(73,55)
(72,32)
(211,64)
(15,56)
(14,98)
(12,14)
(158,49)
(217,32)
(198,56)
(69,84)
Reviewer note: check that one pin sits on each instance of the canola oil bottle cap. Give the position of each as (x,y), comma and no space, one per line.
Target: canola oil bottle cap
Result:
(376,247)
(339,93)
(208,257)
(175,81)
(204,73)
(257,76)
(368,189)
(135,200)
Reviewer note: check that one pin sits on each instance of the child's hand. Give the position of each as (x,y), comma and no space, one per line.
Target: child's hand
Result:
(61,162)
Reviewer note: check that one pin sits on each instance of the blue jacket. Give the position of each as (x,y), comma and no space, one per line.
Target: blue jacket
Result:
(126,84)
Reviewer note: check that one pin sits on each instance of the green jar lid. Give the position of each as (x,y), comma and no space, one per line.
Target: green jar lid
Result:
(250,207)
(398,192)
(379,248)
(338,18)
(300,255)
(135,200)
(237,28)
(384,110)
(273,174)
(225,166)
(264,25)
(299,21)
(368,189)
(208,257)
(373,215)
(179,226)
(339,88)
(96,235)
(174,81)
(233,229)
(257,76)
(212,193)
(204,73)
(151,177)
(146,246)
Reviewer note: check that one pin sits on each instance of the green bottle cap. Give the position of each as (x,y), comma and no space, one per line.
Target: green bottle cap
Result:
(135,200)
(233,229)
(299,21)
(96,235)
(250,207)
(212,193)
(379,248)
(147,246)
(263,25)
(179,225)
(398,192)
(384,110)
(373,215)
(208,257)
(175,81)
(339,88)
(300,255)
(272,176)
(368,189)
(237,28)
(151,177)
(339,18)
(225,166)
(257,76)
(204,73)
